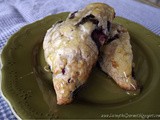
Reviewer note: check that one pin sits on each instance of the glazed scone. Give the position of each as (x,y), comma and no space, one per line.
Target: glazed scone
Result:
(117,58)
(71,47)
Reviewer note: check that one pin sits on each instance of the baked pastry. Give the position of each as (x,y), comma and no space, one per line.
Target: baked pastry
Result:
(117,58)
(71,47)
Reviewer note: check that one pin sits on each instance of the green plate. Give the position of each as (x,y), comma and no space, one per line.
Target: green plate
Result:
(29,90)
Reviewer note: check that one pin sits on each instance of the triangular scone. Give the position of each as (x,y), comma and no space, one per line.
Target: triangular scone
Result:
(117,58)
(71,47)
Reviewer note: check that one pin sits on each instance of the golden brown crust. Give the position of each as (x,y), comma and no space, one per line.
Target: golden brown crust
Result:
(70,51)
(117,58)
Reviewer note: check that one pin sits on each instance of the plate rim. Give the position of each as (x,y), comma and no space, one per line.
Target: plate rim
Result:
(1,92)
(1,64)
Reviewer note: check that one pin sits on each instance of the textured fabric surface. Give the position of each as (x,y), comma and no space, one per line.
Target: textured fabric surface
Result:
(15,14)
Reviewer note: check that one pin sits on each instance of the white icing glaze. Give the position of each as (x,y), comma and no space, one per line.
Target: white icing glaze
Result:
(69,47)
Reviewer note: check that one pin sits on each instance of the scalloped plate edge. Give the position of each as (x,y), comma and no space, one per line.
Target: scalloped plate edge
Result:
(1,66)
(1,93)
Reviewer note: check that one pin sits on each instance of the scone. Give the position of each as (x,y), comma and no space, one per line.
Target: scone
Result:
(117,58)
(71,47)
